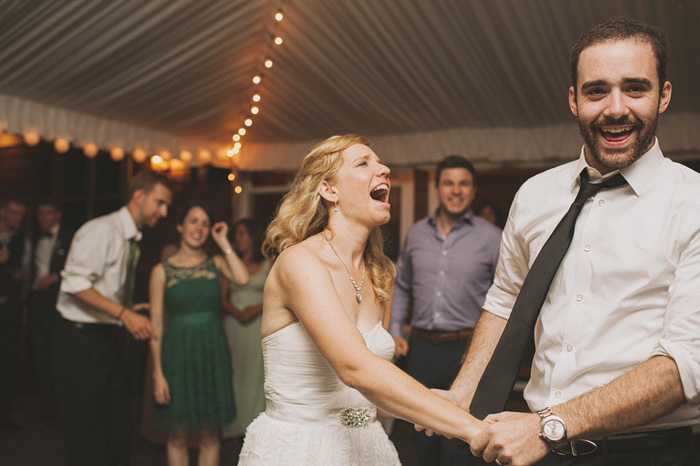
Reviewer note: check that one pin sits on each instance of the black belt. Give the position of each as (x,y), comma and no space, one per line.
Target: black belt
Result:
(627,443)
(440,336)
(90,326)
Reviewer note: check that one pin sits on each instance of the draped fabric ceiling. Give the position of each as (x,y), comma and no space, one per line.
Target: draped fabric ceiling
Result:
(422,78)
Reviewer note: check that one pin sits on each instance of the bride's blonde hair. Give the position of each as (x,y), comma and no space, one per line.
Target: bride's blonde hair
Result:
(302,213)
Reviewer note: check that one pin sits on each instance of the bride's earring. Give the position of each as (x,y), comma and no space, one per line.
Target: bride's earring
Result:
(336,205)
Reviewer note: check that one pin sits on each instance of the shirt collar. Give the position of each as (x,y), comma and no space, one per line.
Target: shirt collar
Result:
(128,224)
(468,217)
(637,175)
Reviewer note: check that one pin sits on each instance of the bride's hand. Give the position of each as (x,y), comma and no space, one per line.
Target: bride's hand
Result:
(452,398)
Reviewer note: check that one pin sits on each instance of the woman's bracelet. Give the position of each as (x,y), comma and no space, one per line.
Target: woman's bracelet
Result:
(121,313)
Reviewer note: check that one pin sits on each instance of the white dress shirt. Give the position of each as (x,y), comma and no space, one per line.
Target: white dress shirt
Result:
(627,289)
(42,256)
(97,259)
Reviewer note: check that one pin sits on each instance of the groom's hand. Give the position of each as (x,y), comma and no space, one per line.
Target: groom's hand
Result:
(452,398)
(511,438)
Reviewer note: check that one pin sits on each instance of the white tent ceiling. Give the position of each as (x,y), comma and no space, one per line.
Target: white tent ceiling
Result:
(421,78)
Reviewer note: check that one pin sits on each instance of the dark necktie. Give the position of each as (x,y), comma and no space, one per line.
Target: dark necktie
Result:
(499,377)
(128,296)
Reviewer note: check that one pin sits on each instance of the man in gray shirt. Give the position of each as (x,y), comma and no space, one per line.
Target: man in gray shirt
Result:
(445,269)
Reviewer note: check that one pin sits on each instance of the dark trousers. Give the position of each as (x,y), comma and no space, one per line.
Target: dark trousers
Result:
(42,319)
(10,353)
(93,399)
(436,365)
(679,451)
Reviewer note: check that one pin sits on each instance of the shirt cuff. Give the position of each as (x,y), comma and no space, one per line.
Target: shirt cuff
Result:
(688,367)
(73,284)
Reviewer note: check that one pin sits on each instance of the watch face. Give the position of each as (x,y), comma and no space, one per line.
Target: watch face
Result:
(553,430)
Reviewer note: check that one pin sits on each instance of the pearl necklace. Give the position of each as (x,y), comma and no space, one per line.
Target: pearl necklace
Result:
(358,289)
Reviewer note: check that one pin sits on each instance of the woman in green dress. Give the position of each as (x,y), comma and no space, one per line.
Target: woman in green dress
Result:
(243,305)
(191,361)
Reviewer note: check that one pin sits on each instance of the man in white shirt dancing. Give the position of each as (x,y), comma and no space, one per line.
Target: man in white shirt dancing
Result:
(95,304)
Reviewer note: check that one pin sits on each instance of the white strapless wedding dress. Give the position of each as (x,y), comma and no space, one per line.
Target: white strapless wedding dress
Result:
(311,417)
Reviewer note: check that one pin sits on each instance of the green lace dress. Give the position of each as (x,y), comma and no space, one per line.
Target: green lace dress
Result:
(194,353)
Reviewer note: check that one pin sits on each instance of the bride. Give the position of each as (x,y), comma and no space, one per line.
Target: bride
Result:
(325,350)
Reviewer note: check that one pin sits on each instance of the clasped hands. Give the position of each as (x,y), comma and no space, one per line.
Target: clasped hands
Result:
(506,438)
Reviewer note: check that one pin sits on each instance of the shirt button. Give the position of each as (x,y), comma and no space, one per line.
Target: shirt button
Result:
(601,202)
(569,347)
(442,272)
(587,248)
(579,297)
(439,293)
(557,394)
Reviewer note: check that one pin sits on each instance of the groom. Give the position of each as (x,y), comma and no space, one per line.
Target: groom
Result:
(617,358)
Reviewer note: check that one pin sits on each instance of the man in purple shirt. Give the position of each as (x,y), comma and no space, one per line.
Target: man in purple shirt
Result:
(445,269)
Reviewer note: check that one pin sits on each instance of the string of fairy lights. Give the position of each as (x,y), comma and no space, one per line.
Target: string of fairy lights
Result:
(273,41)
(164,159)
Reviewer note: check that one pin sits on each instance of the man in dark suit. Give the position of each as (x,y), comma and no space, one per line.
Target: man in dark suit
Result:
(49,249)
(13,269)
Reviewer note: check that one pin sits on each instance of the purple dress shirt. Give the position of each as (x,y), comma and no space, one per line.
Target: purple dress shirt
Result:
(446,278)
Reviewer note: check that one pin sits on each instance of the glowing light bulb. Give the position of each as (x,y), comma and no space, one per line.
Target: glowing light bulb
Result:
(231,177)
(278,40)
(32,139)
(237,190)
(236,137)
(254,110)
(186,156)
(279,16)
(256,97)
(61,145)
(90,149)
(237,146)
(256,79)
(139,155)
(248,122)
(268,63)
(241,131)
(117,154)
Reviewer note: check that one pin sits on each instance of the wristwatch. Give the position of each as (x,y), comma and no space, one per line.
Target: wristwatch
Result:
(552,428)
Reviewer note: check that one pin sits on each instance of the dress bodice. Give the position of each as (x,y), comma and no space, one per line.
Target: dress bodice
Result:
(192,293)
(301,385)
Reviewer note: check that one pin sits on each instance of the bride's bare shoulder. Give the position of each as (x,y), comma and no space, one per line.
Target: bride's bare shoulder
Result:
(304,251)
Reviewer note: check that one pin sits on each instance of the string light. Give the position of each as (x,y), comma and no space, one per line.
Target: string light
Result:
(204,156)
(61,145)
(278,40)
(236,137)
(241,131)
(237,146)
(248,122)
(186,156)
(230,153)
(237,190)
(91,150)
(257,79)
(117,154)
(254,110)
(139,155)
(256,97)
(231,177)
(268,63)
(32,139)
(279,16)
